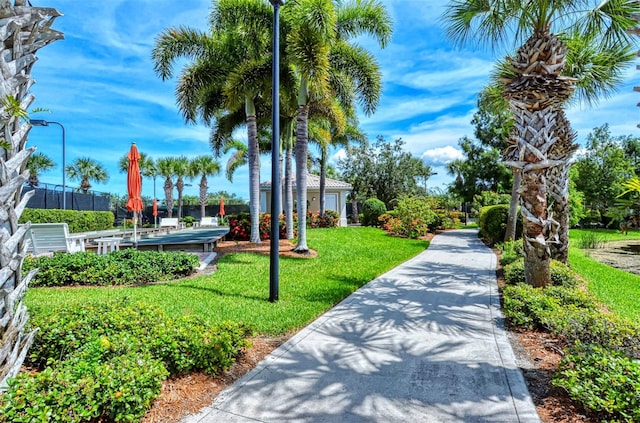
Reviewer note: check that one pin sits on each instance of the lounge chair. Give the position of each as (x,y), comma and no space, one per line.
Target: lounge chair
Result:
(52,237)
(208,221)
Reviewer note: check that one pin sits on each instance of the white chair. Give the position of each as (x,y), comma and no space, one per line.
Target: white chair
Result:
(52,237)
(208,221)
(170,222)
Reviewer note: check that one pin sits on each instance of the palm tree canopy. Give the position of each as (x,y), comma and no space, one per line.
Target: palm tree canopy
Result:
(39,162)
(87,169)
(204,166)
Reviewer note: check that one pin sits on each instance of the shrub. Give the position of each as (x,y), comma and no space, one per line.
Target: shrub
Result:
(411,218)
(240,227)
(124,267)
(591,240)
(561,274)
(372,209)
(188,220)
(493,223)
(330,219)
(488,198)
(602,380)
(78,221)
(510,251)
(106,361)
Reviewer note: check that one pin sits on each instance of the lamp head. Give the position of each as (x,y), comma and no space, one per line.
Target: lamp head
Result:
(38,122)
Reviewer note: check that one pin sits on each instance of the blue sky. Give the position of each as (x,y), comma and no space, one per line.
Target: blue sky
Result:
(100,84)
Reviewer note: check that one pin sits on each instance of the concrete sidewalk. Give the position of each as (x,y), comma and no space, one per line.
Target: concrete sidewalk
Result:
(422,343)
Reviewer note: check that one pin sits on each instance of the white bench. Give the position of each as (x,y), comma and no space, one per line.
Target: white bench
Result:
(208,221)
(171,222)
(52,237)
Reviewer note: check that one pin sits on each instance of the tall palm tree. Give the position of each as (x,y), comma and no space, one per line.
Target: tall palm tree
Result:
(181,169)
(317,40)
(26,30)
(166,169)
(204,166)
(87,170)
(37,163)
(232,70)
(536,87)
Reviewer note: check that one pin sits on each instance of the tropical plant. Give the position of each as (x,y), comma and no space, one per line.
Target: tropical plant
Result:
(26,29)
(181,168)
(537,88)
(204,166)
(36,164)
(231,70)
(318,46)
(166,166)
(86,170)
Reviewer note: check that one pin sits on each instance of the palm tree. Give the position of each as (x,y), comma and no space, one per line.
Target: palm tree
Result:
(165,168)
(318,34)
(204,166)
(87,170)
(36,164)
(537,88)
(26,30)
(181,169)
(232,70)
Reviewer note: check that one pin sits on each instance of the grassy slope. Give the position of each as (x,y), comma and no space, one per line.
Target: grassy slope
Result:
(618,290)
(347,259)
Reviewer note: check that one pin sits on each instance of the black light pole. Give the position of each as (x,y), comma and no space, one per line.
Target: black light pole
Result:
(40,122)
(274,264)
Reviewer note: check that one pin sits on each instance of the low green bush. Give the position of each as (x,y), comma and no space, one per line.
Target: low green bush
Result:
(561,274)
(106,361)
(591,240)
(411,218)
(492,221)
(78,221)
(602,380)
(240,227)
(124,267)
(372,209)
(510,251)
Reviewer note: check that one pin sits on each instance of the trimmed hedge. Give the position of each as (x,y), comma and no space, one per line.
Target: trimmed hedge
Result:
(78,221)
(106,361)
(372,209)
(561,274)
(493,223)
(124,267)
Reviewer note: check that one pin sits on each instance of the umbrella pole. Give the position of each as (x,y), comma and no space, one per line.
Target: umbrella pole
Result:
(135,224)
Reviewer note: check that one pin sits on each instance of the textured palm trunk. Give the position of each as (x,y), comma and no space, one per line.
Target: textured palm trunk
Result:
(179,188)
(354,208)
(254,178)
(204,186)
(323,179)
(25,30)
(288,191)
(512,220)
(168,196)
(302,147)
(535,94)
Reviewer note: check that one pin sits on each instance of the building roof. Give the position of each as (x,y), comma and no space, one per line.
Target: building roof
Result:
(313,182)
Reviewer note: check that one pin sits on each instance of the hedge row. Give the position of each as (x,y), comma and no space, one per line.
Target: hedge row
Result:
(78,221)
(124,267)
(106,361)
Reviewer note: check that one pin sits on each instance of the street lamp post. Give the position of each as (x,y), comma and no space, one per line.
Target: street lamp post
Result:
(274,263)
(41,122)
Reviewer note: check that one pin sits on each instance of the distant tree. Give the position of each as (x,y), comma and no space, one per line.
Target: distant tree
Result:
(166,168)
(229,198)
(204,166)
(87,170)
(36,164)
(602,169)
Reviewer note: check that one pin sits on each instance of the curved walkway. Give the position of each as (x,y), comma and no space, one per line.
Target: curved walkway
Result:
(422,343)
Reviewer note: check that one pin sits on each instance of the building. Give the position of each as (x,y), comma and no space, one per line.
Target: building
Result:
(335,196)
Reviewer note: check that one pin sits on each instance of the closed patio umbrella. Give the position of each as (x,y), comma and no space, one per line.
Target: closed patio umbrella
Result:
(155,212)
(221,212)
(134,187)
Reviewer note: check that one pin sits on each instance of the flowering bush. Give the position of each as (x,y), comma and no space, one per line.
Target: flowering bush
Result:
(240,227)
(411,218)
(329,219)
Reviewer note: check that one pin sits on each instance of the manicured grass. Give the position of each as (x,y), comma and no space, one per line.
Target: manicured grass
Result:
(618,290)
(347,259)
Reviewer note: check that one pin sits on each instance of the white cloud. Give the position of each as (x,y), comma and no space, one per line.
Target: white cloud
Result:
(441,156)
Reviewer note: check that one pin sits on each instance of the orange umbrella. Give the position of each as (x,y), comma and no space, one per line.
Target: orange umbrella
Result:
(134,186)
(155,209)
(221,212)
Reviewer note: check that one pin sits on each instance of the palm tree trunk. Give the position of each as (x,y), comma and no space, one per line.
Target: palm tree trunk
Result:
(302,147)
(354,208)
(288,191)
(254,178)
(323,178)
(168,196)
(180,187)
(26,30)
(203,195)
(512,220)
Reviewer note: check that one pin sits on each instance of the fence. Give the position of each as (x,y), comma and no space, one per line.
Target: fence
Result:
(48,198)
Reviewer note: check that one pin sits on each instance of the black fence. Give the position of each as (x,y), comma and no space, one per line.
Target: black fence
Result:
(47,198)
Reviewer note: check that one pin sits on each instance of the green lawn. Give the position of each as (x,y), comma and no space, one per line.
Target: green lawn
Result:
(347,259)
(618,290)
